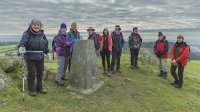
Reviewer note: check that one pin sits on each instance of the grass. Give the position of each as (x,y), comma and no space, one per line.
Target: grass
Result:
(7,48)
(132,91)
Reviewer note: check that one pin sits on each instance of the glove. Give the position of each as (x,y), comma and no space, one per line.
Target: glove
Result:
(49,57)
(22,50)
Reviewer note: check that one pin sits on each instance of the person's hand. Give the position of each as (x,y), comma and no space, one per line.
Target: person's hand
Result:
(135,46)
(173,62)
(22,50)
(138,46)
(49,57)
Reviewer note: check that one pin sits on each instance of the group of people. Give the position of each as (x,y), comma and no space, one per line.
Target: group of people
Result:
(107,43)
(179,58)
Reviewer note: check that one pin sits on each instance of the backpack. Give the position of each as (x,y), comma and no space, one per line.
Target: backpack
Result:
(97,43)
(188,60)
(54,44)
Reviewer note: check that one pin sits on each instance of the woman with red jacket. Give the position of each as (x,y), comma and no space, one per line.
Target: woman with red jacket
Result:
(179,57)
(161,48)
(105,49)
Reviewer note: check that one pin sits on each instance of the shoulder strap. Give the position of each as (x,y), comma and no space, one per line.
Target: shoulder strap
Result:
(29,37)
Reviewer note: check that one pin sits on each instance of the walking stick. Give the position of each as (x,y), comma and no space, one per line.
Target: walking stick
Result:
(23,76)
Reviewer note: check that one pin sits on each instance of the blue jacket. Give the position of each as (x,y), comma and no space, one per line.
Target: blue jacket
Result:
(34,41)
(118,42)
(74,37)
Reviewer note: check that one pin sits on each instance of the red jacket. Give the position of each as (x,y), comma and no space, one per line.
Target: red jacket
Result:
(110,43)
(161,48)
(184,54)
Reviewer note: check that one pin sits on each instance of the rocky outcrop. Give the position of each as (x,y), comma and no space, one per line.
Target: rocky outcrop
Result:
(7,64)
(147,56)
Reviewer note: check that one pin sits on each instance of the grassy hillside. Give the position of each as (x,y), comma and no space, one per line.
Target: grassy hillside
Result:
(132,91)
(7,48)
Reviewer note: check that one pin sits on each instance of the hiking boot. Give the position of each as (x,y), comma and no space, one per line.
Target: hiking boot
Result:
(165,75)
(32,93)
(160,74)
(109,73)
(137,67)
(59,83)
(174,83)
(104,71)
(112,72)
(118,71)
(42,91)
(179,85)
(64,79)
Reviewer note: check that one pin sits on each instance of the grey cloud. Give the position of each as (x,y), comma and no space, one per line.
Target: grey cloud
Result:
(146,14)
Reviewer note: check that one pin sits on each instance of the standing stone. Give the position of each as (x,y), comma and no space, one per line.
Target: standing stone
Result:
(84,70)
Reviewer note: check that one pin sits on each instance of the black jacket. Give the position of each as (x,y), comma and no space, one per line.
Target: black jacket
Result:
(34,41)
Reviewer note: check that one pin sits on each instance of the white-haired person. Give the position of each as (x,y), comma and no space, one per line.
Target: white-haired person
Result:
(34,39)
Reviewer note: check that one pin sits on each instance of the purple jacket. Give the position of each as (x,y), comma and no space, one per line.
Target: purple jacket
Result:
(95,38)
(63,45)
(134,39)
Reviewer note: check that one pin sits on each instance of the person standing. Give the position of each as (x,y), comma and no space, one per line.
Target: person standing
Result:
(94,36)
(135,42)
(63,51)
(179,57)
(74,35)
(118,44)
(161,48)
(105,50)
(32,40)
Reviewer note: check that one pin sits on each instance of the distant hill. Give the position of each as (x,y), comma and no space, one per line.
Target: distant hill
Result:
(150,45)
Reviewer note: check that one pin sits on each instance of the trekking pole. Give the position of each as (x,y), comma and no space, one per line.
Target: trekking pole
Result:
(34,51)
(23,76)
(53,55)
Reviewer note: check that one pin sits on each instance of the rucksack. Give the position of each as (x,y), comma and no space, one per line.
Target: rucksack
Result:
(97,43)
(54,44)
(188,60)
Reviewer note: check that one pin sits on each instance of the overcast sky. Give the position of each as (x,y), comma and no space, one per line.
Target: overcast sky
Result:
(15,15)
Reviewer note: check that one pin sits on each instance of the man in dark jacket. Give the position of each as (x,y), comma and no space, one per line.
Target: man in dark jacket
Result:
(135,42)
(32,40)
(161,48)
(118,44)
